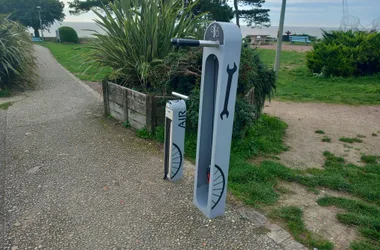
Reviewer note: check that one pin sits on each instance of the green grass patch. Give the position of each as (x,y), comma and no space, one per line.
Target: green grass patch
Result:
(5,93)
(5,106)
(144,133)
(296,83)
(371,159)
(350,140)
(264,138)
(253,184)
(293,219)
(364,245)
(358,213)
(326,139)
(362,182)
(126,124)
(74,58)
(320,132)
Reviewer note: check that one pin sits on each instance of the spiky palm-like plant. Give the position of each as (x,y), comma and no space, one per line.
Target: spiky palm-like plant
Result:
(137,37)
(17,62)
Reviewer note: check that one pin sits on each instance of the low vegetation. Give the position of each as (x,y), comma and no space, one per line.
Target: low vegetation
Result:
(68,35)
(346,54)
(320,132)
(5,106)
(17,62)
(363,215)
(5,93)
(326,139)
(296,83)
(292,217)
(138,39)
(350,140)
(371,159)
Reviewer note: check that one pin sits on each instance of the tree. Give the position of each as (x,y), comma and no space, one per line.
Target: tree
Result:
(216,10)
(255,16)
(82,6)
(25,12)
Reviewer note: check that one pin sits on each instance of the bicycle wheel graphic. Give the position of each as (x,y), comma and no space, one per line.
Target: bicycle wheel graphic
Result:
(218,186)
(176,160)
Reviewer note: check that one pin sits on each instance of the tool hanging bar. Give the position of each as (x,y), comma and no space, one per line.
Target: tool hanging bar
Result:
(194,43)
(184,97)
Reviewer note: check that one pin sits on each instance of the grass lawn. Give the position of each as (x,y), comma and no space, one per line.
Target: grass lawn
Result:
(73,58)
(296,83)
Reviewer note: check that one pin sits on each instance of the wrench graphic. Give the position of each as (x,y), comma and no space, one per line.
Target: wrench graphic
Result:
(230,73)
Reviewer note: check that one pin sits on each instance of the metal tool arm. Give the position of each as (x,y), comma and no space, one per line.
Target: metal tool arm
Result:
(193,43)
(184,97)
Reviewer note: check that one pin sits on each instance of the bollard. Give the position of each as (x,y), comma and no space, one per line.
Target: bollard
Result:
(220,71)
(174,145)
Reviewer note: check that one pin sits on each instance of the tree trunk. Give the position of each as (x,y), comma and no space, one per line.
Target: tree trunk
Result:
(237,12)
(36,32)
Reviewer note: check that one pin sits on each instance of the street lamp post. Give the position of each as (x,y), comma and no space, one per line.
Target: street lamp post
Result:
(39,15)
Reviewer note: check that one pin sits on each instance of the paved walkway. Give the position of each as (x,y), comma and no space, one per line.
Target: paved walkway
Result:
(76,180)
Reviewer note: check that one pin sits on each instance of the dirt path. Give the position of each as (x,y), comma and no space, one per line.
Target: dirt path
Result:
(288,47)
(306,147)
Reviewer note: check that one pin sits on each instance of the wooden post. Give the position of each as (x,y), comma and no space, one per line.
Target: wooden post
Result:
(154,114)
(149,113)
(125,104)
(106,98)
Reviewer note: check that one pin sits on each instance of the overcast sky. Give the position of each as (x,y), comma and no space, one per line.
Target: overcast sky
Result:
(300,13)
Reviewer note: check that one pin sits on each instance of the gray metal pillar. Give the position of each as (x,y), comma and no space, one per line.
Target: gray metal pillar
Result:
(174,146)
(220,72)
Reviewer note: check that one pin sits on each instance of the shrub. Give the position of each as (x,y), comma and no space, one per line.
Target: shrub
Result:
(242,121)
(68,35)
(254,73)
(346,54)
(184,69)
(17,63)
(138,39)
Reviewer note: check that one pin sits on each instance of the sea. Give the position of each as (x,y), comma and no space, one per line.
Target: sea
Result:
(86,29)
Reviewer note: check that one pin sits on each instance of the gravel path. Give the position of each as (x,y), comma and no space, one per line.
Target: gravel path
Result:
(306,147)
(75,180)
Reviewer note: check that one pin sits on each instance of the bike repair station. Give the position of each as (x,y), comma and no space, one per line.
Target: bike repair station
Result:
(220,70)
